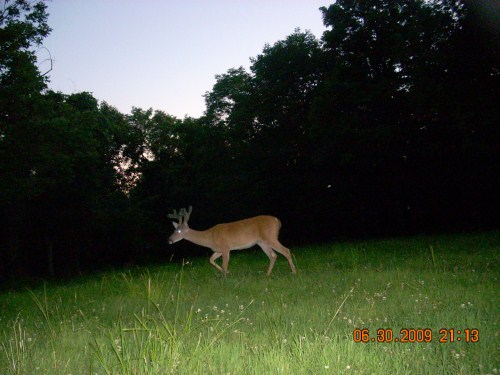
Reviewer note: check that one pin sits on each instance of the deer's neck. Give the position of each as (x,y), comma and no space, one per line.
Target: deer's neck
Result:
(200,237)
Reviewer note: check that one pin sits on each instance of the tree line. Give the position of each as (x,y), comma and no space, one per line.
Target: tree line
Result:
(386,125)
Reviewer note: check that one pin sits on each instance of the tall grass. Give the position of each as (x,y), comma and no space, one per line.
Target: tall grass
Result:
(188,319)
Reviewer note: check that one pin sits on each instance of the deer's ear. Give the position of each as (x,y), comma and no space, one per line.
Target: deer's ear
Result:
(175,224)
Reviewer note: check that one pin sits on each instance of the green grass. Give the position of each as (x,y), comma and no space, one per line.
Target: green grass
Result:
(191,320)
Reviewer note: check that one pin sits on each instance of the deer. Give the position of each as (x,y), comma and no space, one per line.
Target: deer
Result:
(238,235)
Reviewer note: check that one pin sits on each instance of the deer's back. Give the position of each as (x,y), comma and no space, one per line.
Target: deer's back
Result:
(247,232)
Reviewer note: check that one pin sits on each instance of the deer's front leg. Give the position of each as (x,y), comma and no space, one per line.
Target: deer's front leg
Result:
(215,256)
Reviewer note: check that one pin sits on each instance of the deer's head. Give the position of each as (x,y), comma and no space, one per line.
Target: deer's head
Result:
(182,227)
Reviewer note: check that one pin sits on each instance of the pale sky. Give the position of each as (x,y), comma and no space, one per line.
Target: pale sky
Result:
(164,54)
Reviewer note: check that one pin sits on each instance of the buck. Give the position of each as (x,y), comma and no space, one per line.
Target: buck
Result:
(238,235)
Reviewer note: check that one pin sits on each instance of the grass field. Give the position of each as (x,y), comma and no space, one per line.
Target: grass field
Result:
(189,319)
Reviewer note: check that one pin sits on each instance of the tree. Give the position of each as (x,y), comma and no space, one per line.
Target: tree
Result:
(23,25)
(403,95)
(286,76)
(229,103)
(264,118)
(73,172)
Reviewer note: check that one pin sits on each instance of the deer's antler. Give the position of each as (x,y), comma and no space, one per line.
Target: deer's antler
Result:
(176,215)
(187,213)
(183,214)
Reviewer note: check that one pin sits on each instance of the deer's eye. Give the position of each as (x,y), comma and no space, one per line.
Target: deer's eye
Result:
(179,231)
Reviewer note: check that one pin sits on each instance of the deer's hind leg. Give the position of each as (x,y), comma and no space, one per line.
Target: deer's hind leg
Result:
(225,260)
(270,253)
(276,245)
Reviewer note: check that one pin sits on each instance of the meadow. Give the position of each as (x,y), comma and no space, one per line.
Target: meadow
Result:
(186,318)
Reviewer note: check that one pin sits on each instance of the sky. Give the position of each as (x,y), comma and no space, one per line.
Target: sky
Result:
(163,54)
